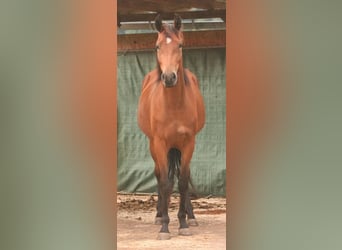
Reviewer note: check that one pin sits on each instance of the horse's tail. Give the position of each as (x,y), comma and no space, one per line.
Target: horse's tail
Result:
(174,164)
(174,161)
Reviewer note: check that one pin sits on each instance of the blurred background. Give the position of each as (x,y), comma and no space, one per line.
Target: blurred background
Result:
(57,125)
(58,178)
(284,124)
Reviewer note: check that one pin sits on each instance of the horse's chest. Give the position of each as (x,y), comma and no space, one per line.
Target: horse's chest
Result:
(175,132)
(178,129)
(175,125)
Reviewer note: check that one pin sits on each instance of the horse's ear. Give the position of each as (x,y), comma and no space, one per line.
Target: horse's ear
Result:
(158,23)
(177,22)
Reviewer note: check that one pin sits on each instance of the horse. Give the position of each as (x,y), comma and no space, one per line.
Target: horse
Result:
(171,112)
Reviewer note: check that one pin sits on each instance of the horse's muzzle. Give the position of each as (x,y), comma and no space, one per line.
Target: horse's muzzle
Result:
(169,80)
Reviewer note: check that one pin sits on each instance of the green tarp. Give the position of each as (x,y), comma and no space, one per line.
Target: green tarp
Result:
(208,166)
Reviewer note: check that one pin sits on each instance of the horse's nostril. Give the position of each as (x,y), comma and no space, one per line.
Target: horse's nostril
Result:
(163,76)
(173,76)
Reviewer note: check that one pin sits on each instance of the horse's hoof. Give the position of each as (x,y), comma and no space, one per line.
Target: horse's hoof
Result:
(158,221)
(164,236)
(192,222)
(184,231)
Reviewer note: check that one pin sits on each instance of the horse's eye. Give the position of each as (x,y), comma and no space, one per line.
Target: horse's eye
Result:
(180,46)
(157,47)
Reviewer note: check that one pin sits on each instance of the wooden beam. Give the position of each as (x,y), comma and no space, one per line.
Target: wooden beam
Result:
(140,6)
(192,40)
(131,28)
(170,15)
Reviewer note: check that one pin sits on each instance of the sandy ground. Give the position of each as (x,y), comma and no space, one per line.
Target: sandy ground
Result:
(136,229)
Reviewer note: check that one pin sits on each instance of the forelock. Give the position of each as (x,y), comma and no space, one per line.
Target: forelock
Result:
(170,29)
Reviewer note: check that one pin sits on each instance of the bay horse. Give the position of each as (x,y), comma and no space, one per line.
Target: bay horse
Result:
(170,113)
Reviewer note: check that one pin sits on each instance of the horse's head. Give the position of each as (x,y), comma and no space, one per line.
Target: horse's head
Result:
(169,50)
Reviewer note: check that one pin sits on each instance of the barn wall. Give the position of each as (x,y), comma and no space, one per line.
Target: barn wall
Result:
(208,165)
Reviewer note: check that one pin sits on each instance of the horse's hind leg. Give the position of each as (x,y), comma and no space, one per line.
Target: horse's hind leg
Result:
(189,211)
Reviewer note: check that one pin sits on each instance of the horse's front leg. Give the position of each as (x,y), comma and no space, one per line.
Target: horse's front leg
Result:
(158,219)
(164,187)
(183,186)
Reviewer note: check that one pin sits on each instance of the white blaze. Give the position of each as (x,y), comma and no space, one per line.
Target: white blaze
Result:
(168,40)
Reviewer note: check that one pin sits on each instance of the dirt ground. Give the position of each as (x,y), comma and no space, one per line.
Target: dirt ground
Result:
(136,229)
